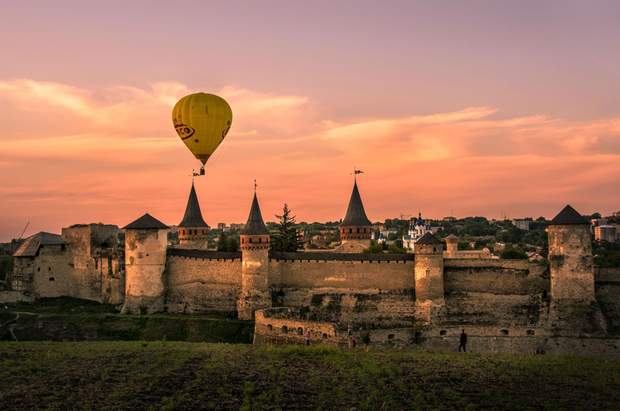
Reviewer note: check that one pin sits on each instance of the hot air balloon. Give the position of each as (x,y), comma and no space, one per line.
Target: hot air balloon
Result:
(202,121)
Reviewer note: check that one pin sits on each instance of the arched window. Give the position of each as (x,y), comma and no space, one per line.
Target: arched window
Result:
(183,232)
(358,230)
(260,240)
(350,231)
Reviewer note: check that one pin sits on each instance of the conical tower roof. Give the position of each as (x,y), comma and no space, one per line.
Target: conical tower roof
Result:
(428,239)
(146,222)
(193,216)
(569,216)
(255,224)
(356,216)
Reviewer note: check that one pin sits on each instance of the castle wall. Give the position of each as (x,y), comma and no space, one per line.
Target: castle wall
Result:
(53,274)
(495,292)
(608,296)
(94,262)
(346,291)
(199,284)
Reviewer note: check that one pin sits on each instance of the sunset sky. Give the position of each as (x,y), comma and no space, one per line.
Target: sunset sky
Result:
(476,108)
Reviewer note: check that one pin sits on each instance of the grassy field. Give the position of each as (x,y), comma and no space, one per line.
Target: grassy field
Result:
(175,375)
(67,319)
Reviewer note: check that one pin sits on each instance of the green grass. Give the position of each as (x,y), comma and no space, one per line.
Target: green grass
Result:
(58,319)
(174,375)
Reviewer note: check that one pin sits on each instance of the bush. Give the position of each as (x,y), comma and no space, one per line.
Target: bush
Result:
(513,253)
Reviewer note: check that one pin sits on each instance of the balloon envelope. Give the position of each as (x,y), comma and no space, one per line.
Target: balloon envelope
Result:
(202,121)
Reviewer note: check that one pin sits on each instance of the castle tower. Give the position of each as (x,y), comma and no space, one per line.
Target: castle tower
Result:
(356,228)
(570,257)
(193,230)
(428,274)
(146,240)
(573,309)
(254,243)
(452,246)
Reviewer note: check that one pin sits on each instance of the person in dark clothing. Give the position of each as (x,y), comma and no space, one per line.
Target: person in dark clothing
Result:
(463,341)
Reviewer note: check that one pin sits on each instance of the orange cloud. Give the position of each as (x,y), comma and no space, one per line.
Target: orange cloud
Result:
(74,155)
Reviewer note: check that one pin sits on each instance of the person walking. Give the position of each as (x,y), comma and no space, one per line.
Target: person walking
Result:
(463,341)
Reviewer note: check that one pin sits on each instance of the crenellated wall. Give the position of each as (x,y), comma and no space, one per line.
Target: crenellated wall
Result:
(200,281)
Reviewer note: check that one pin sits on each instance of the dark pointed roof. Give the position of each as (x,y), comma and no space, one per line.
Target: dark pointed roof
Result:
(193,216)
(255,224)
(145,222)
(356,216)
(569,216)
(429,239)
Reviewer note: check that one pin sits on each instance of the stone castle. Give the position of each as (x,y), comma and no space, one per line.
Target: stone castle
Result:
(426,297)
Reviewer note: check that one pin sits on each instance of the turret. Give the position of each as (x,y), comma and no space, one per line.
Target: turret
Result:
(570,257)
(428,273)
(146,240)
(356,228)
(452,246)
(254,244)
(193,231)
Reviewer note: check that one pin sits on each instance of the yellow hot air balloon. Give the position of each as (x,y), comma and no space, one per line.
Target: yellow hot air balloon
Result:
(202,121)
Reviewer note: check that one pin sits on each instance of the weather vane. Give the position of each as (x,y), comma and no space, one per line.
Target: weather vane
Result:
(255,185)
(356,171)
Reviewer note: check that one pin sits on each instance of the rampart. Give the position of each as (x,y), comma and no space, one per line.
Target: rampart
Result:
(607,285)
(489,292)
(199,281)
(369,288)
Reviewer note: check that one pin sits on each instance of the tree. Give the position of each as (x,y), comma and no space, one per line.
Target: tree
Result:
(513,253)
(374,248)
(285,237)
(226,243)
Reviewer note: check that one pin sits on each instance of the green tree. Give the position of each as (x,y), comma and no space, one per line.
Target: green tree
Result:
(374,248)
(227,243)
(513,253)
(285,237)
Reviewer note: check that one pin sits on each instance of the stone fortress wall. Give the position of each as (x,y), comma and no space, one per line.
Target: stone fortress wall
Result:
(85,261)
(334,297)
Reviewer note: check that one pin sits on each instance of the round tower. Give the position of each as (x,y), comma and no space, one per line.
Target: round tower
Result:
(356,228)
(146,241)
(254,244)
(570,257)
(428,274)
(193,230)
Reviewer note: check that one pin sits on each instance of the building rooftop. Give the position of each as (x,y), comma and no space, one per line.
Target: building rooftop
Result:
(255,224)
(428,238)
(569,216)
(30,246)
(356,216)
(145,222)
(193,215)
